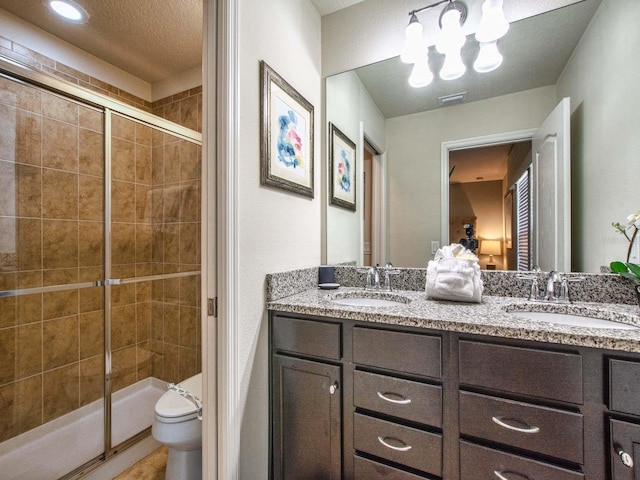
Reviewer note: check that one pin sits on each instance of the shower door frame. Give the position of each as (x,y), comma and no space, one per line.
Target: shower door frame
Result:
(22,73)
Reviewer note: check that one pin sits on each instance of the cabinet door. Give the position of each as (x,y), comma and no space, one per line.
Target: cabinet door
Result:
(625,450)
(307,433)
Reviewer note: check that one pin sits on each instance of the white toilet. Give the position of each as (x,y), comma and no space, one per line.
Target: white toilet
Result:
(177,426)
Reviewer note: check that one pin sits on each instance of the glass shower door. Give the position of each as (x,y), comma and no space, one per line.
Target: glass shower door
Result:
(51,266)
(154,302)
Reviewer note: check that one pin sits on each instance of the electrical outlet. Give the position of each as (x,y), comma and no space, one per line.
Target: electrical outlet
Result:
(435,245)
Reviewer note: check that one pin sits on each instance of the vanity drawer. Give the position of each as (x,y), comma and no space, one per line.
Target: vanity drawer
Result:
(625,438)
(624,386)
(406,399)
(365,469)
(532,372)
(552,432)
(478,462)
(398,443)
(307,337)
(398,351)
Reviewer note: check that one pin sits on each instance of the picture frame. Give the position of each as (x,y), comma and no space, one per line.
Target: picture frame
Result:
(342,169)
(286,135)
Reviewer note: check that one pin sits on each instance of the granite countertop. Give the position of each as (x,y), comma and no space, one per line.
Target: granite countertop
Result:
(487,318)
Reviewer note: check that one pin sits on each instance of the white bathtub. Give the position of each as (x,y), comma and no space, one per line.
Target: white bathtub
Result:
(54,449)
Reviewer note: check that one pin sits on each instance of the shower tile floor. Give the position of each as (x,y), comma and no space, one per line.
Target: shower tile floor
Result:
(151,467)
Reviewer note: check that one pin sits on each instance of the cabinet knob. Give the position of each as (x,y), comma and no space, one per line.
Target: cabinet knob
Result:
(627,461)
(333,388)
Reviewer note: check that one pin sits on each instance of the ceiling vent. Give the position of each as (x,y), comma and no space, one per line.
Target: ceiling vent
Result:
(451,99)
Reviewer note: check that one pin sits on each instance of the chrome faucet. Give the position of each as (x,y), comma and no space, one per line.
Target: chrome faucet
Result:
(373,278)
(552,294)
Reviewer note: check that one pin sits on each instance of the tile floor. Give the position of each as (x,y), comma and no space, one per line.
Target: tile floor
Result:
(151,467)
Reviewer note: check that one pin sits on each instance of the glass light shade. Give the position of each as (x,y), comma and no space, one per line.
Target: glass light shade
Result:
(491,247)
(493,25)
(413,44)
(452,37)
(66,10)
(421,76)
(453,67)
(488,59)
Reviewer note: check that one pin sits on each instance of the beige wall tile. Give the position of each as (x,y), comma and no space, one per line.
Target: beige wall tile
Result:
(8,134)
(91,326)
(189,322)
(190,113)
(29,243)
(29,403)
(123,242)
(123,128)
(171,315)
(60,145)
(91,299)
(143,164)
(143,322)
(29,308)
(123,202)
(189,363)
(157,165)
(61,342)
(190,160)
(144,357)
(59,108)
(61,389)
(190,290)
(190,202)
(8,180)
(59,194)
(91,195)
(8,311)
(91,119)
(144,203)
(60,244)
(124,368)
(28,350)
(143,134)
(91,379)
(123,160)
(189,243)
(7,355)
(123,326)
(172,243)
(172,162)
(29,138)
(28,191)
(59,304)
(61,276)
(171,366)
(91,154)
(122,295)
(91,244)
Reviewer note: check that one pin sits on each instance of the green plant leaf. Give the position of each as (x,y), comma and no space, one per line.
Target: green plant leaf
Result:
(618,267)
(634,268)
(631,277)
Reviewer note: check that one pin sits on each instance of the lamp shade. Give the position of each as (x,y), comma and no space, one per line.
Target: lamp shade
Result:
(491,247)
(493,25)
(413,43)
(488,59)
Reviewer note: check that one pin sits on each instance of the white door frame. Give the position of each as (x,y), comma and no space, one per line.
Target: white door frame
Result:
(464,144)
(221,430)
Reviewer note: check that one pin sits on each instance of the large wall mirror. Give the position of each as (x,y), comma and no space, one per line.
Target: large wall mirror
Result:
(582,51)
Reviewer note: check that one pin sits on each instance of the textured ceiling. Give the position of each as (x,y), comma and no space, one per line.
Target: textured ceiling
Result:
(535,51)
(325,7)
(151,39)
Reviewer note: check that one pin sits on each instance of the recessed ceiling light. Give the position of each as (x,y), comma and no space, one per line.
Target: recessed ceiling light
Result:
(69,10)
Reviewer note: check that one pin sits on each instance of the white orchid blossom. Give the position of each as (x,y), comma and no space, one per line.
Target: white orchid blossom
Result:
(629,230)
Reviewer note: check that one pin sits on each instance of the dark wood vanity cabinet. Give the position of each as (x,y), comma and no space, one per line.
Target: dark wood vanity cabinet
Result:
(368,401)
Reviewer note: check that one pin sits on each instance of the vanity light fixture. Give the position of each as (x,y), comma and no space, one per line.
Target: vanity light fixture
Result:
(69,10)
(451,39)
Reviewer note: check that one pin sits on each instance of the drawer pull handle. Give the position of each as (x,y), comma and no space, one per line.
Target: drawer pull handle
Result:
(500,476)
(404,401)
(406,447)
(499,421)
(627,461)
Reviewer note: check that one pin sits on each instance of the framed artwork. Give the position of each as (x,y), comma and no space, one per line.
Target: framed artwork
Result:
(508,216)
(342,168)
(286,135)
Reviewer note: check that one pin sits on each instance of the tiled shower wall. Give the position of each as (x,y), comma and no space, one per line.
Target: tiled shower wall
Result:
(52,233)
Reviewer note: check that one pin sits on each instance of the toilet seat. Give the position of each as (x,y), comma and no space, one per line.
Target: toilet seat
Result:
(174,408)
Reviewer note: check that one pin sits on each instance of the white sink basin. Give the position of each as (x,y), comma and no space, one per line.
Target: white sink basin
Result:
(570,319)
(367,302)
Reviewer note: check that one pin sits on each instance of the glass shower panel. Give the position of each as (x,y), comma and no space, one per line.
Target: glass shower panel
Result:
(155,255)
(51,256)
